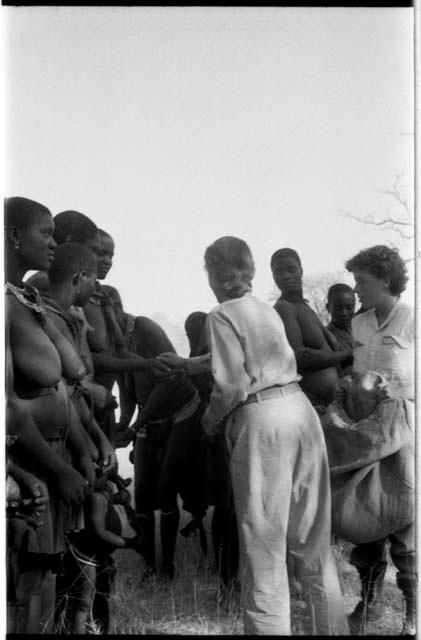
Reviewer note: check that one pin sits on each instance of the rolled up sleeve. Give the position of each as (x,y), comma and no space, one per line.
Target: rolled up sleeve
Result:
(231,381)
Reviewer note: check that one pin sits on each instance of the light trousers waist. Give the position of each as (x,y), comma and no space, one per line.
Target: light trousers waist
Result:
(272,392)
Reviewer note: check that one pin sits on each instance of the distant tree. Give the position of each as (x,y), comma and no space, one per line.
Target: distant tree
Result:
(398,217)
(315,290)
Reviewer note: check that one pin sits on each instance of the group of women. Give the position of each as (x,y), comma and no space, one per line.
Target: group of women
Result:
(278,462)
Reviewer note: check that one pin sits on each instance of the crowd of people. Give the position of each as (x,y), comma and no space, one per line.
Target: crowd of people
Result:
(282,425)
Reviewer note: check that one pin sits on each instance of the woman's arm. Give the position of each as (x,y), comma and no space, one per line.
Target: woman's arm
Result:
(103,362)
(231,381)
(98,512)
(77,441)
(69,483)
(192,366)
(306,357)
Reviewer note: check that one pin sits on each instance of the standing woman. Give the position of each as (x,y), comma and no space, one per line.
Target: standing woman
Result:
(278,459)
(384,342)
(37,395)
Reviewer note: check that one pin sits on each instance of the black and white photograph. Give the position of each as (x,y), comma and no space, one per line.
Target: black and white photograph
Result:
(209,320)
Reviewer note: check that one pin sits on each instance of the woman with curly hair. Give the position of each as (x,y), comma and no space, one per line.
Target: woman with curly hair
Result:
(278,460)
(384,342)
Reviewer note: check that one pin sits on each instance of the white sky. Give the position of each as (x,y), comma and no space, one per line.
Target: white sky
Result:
(171,127)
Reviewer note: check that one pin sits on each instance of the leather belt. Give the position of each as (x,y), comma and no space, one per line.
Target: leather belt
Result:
(272,392)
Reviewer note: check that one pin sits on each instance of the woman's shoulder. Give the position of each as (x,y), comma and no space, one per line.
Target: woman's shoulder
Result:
(236,304)
(406,308)
(362,318)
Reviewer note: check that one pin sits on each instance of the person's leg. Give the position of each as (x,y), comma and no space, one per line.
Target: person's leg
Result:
(48,599)
(309,525)
(370,560)
(217,530)
(402,552)
(86,590)
(176,451)
(145,483)
(262,462)
(105,576)
(29,596)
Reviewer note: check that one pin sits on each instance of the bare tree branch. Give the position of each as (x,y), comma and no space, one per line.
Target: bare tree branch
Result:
(392,222)
(370,220)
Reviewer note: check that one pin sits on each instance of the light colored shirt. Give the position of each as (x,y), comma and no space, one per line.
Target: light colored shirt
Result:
(249,352)
(387,348)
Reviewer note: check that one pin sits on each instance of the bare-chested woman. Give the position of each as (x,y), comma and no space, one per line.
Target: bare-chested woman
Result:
(316,359)
(37,399)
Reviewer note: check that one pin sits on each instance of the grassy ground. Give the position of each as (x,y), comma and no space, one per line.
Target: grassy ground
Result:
(190,605)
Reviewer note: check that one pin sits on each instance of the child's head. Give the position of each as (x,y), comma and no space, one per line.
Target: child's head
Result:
(74,266)
(105,254)
(104,478)
(341,305)
(287,270)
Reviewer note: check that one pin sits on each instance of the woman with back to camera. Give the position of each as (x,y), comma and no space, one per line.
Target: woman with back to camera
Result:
(278,460)
(384,342)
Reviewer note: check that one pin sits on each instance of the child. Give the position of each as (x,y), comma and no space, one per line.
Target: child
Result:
(89,571)
(72,280)
(341,307)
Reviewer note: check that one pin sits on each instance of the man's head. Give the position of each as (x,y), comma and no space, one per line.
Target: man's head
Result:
(341,305)
(74,266)
(287,270)
(72,226)
(105,254)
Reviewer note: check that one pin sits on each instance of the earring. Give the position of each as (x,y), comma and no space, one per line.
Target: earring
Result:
(16,244)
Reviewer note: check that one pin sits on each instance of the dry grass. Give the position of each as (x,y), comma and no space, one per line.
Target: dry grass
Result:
(190,605)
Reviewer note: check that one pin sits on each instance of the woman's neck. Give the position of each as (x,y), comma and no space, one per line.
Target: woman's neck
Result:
(14,272)
(62,295)
(384,307)
(293,296)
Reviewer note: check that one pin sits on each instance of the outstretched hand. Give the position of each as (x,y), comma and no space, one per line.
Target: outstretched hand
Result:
(160,370)
(171,360)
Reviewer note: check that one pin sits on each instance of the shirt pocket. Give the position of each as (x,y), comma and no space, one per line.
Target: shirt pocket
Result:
(396,342)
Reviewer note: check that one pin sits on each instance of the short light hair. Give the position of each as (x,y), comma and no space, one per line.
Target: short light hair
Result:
(230,262)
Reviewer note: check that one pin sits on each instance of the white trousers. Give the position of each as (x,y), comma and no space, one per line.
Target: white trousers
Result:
(281,485)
